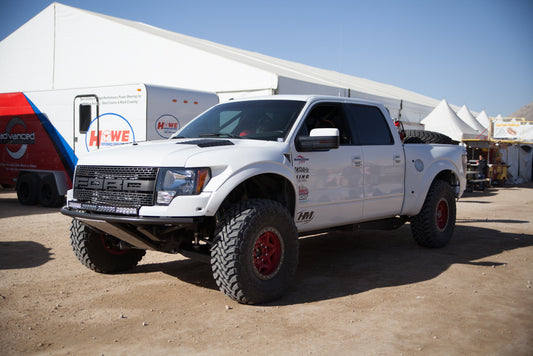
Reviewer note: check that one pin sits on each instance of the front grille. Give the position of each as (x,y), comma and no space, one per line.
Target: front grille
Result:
(118,172)
(129,187)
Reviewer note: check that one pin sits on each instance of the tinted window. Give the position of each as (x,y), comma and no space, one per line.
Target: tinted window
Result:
(259,120)
(369,125)
(85,117)
(329,115)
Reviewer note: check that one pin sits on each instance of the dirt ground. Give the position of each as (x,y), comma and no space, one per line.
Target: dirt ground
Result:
(369,293)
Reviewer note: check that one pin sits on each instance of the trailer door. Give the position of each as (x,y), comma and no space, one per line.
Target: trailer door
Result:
(86,113)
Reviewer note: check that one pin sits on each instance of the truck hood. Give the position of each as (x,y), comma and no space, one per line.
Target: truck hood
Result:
(202,152)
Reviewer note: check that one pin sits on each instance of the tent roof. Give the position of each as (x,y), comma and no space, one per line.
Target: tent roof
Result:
(444,120)
(483,119)
(465,115)
(283,67)
(65,47)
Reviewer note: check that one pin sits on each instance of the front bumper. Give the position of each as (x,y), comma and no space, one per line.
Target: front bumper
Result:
(133,220)
(139,231)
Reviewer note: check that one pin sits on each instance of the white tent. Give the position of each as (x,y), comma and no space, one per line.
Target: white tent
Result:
(465,115)
(483,119)
(520,159)
(65,47)
(444,120)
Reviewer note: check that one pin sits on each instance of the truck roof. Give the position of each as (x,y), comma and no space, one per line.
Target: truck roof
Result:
(310,98)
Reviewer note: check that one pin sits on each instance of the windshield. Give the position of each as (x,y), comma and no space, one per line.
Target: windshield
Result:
(260,120)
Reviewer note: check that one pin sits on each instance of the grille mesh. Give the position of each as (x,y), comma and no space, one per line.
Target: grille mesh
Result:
(119,198)
(117,172)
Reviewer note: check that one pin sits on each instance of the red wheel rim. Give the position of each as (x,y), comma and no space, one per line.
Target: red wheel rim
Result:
(442,215)
(267,254)
(111,249)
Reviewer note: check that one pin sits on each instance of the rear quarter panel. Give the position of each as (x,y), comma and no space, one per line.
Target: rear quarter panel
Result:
(423,163)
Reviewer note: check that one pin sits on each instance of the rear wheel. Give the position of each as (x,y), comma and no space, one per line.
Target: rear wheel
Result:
(101,252)
(48,195)
(435,224)
(28,189)
(255,252)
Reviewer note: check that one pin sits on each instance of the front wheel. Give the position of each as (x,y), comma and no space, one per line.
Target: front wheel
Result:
(434,225)
(255,251)
(101,252)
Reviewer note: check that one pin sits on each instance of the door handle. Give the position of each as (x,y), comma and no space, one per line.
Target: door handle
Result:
(397,159)
(357,161)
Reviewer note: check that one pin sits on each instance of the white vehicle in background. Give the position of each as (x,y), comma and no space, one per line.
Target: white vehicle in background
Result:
(43,133)
(239,184)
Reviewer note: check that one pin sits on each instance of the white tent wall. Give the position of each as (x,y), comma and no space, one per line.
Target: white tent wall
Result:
(520,161)
(119,54)
(526,163)
(415,113)
(27,55)
(294,86)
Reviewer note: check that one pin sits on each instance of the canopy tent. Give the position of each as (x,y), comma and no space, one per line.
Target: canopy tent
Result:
(444,120)
(483,119)
(65,47)
(465,115)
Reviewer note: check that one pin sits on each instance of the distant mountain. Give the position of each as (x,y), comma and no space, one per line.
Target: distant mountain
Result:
(525,112)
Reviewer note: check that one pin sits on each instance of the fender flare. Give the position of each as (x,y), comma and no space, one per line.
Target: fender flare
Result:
(221,193)
(413,202)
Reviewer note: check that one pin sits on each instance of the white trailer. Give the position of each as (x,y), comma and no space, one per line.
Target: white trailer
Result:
(43,133)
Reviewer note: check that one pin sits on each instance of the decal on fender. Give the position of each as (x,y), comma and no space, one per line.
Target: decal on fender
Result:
(305,216)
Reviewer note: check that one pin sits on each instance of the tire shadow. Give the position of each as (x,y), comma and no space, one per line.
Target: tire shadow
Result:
(23,254)
(188,271)
(341,264)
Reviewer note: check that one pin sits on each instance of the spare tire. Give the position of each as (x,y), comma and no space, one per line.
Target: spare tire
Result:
(422,136)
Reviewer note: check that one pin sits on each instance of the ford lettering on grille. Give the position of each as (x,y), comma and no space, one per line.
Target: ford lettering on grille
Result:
(115,186)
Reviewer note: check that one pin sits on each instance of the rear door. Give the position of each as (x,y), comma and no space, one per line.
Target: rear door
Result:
(383,161)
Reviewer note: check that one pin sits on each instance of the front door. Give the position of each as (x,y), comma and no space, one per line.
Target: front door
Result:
(330,183)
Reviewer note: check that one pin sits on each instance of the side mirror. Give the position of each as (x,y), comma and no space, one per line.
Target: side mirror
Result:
(318,140)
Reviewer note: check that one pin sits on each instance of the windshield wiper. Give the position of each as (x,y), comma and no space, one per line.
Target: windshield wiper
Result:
(229,135)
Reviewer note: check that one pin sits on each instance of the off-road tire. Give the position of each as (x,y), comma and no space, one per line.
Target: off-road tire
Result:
(435,224)
(99,252)
(422,136)
(28,189)
(48,195)
(255,252)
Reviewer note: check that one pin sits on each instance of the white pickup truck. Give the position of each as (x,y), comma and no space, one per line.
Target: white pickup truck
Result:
(239,184)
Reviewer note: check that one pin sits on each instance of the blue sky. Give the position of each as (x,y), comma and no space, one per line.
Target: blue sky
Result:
(473,52)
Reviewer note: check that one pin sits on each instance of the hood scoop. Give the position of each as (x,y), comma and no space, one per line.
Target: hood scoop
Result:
(207,143)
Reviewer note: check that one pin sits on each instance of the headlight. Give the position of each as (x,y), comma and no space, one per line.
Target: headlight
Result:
(172,182)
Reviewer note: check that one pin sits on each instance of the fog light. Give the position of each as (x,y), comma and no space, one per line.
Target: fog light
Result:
(165,196)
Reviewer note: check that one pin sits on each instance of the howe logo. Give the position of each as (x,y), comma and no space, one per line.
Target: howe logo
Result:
(108,130)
